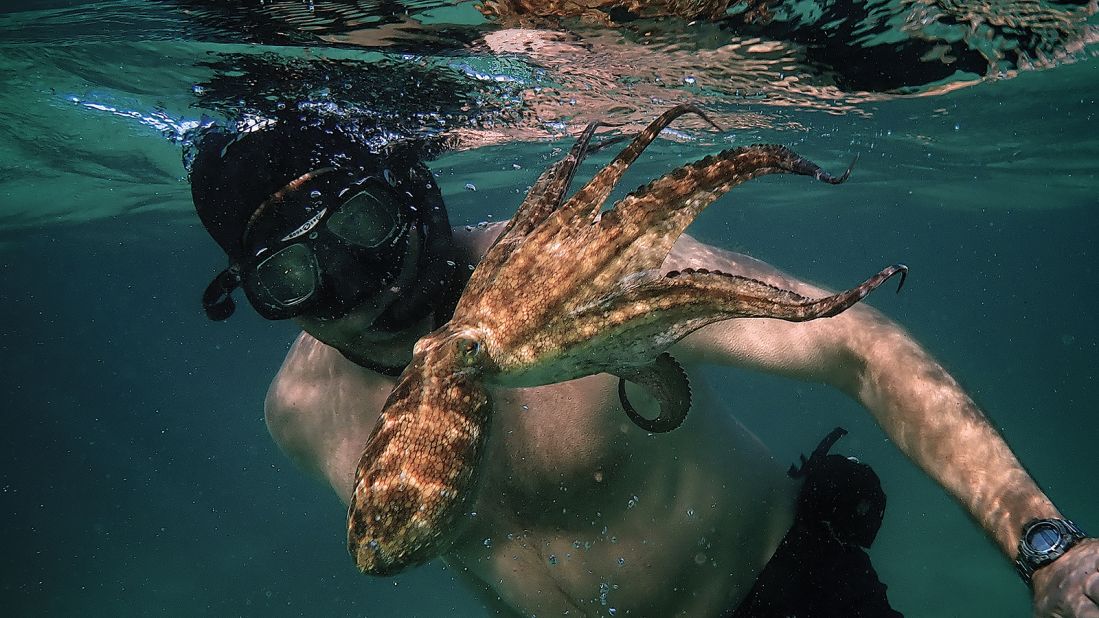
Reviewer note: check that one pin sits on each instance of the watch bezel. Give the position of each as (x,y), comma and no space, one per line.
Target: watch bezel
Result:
(1031,559)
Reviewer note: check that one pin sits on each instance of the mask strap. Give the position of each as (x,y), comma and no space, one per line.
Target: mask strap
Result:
(217,300)
(280,195)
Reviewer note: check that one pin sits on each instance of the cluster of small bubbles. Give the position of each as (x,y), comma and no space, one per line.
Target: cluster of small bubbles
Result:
(632,502)
(604,590)
(487,542)
(553,559)
(576,544)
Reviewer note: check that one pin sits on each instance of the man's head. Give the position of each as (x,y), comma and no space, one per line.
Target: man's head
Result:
(317,224)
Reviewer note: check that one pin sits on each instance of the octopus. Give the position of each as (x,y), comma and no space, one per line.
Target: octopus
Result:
(567,290)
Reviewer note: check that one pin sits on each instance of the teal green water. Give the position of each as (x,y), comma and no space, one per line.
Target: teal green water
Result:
(136,474)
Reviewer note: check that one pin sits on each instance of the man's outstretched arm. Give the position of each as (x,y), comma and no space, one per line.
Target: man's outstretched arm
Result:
(919,405)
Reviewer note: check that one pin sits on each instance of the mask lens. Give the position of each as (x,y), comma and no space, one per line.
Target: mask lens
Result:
(288,277)
(369,218)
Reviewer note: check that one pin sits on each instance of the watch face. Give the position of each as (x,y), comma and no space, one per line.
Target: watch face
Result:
(1043,538)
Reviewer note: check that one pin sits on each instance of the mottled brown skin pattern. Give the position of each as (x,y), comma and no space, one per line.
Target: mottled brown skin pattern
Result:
(417,468)
(564,292)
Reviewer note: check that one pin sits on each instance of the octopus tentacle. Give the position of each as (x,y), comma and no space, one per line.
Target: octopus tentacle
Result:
(643,226)
(589,199)
(666,381)
(560,296)
(662,310)
(548,191)
(544,197)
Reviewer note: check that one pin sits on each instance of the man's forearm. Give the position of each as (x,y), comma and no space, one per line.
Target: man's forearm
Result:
(936,424)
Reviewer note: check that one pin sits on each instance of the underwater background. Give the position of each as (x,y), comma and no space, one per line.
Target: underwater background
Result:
(136,474)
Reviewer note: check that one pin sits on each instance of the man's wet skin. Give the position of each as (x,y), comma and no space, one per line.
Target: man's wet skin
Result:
(694,514)
(574,495)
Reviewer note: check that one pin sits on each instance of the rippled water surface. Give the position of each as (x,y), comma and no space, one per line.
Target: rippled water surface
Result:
(136,474)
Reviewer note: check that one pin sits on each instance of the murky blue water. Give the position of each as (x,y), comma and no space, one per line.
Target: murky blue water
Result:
(136,474)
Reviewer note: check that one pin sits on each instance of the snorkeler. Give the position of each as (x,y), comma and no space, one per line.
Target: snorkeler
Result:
(356,247)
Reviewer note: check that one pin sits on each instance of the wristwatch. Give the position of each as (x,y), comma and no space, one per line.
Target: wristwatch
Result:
(1043,541)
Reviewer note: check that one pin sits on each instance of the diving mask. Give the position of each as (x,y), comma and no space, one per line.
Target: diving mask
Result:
(306,256)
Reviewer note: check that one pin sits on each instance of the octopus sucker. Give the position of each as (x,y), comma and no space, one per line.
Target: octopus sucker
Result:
(564,292)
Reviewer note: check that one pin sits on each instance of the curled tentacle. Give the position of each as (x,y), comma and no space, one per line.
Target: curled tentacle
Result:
(666,381)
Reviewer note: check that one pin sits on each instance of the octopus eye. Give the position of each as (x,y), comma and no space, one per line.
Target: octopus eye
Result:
(468,349)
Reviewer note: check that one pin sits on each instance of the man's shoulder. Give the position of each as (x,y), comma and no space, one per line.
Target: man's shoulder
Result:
(310,370)
(475,239)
